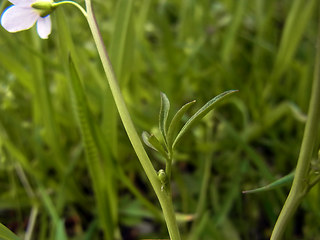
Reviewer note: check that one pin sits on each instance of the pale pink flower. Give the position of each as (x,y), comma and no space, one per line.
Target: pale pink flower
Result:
(23,14)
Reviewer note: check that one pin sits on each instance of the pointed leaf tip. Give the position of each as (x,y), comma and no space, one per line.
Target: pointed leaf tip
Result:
(276,184)
(201,113)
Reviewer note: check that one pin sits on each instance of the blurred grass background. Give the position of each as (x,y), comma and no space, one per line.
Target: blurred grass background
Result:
(189,50)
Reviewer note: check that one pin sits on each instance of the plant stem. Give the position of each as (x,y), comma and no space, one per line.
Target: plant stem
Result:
(56,4)
(164,199)
(202,202)
(300,184)
(31,223)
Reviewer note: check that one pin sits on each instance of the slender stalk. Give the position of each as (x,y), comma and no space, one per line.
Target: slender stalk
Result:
(164,199)
(35,209)
(200,210)
(300,184)
(56,4)
(25,182)
(32,221)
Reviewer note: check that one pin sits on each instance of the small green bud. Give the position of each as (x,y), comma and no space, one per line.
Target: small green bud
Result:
(162,175)
(44,7)
(163,179)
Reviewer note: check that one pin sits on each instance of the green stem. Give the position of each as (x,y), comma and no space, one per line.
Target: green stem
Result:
(164,199)
(72,3)
(204,186)
(169,166)
(32,221)
(300,184)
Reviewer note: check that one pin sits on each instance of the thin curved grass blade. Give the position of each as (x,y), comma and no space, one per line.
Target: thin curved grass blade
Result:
(276,184)
(80,106)
(6,234)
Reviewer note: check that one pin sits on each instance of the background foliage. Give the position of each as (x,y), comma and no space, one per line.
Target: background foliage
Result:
(189,50)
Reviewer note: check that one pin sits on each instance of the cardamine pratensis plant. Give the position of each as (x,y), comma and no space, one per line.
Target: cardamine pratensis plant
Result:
(22,15)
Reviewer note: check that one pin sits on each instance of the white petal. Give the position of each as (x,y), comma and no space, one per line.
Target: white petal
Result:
(44,27)
(16,18)
(22,3)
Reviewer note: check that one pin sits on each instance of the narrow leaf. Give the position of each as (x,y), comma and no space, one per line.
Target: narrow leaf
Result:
(201,113)
(122,48)
(60,231)
(276,184)
(163,116)
(6,234)
(92,152)
(152,142)
(175,122)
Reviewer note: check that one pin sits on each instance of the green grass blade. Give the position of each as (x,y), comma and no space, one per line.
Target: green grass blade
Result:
(201,113)
(48,204)
(231,35)
(187,16)
(6,234)
(276,184)
(121,55)
(18,156)
(43,112)
(92,154)
(58,223)
(295,26)
(122,39)
(141,19)
(60,231)
(96,156)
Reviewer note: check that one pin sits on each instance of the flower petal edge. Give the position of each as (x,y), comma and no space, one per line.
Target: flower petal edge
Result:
(16,18)
(44,27)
